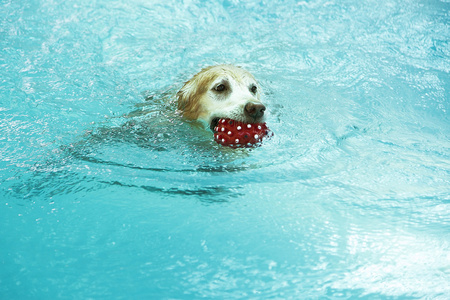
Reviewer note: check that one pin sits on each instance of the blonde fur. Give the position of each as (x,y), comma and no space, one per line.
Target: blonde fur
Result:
(202,97)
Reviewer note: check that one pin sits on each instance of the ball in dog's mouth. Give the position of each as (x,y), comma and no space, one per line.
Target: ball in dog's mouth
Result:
(236,134)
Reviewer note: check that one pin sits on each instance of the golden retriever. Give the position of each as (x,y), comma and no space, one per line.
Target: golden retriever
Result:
(222,91)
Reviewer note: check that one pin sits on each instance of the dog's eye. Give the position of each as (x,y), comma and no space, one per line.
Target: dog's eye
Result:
(220,88)
(254,89)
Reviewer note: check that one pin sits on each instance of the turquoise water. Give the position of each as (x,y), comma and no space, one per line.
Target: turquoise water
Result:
(107,195)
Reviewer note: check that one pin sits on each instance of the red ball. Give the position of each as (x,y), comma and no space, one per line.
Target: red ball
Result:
(237,134)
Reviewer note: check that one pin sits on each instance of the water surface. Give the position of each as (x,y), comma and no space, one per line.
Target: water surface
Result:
(107,193)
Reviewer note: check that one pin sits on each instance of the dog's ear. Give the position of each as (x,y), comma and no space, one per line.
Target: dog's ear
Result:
(190,95)
(188,101)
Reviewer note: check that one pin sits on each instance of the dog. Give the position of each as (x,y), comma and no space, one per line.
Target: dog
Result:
(216,92)
(222,91)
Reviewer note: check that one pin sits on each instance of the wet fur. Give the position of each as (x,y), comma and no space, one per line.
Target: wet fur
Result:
(198,99)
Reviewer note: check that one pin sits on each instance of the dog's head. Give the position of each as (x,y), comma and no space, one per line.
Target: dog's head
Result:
(222,91)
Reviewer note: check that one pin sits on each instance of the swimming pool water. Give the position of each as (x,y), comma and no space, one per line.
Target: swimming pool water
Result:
(107,195)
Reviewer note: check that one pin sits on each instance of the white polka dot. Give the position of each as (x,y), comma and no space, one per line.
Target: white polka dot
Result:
(223,140)
(249,126)
(223,129)
(256,136)
(259,126)
(223,120)
(237,141)
(229,132)
(239,128)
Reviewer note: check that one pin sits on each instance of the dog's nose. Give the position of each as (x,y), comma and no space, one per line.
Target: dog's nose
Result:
(254,110)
